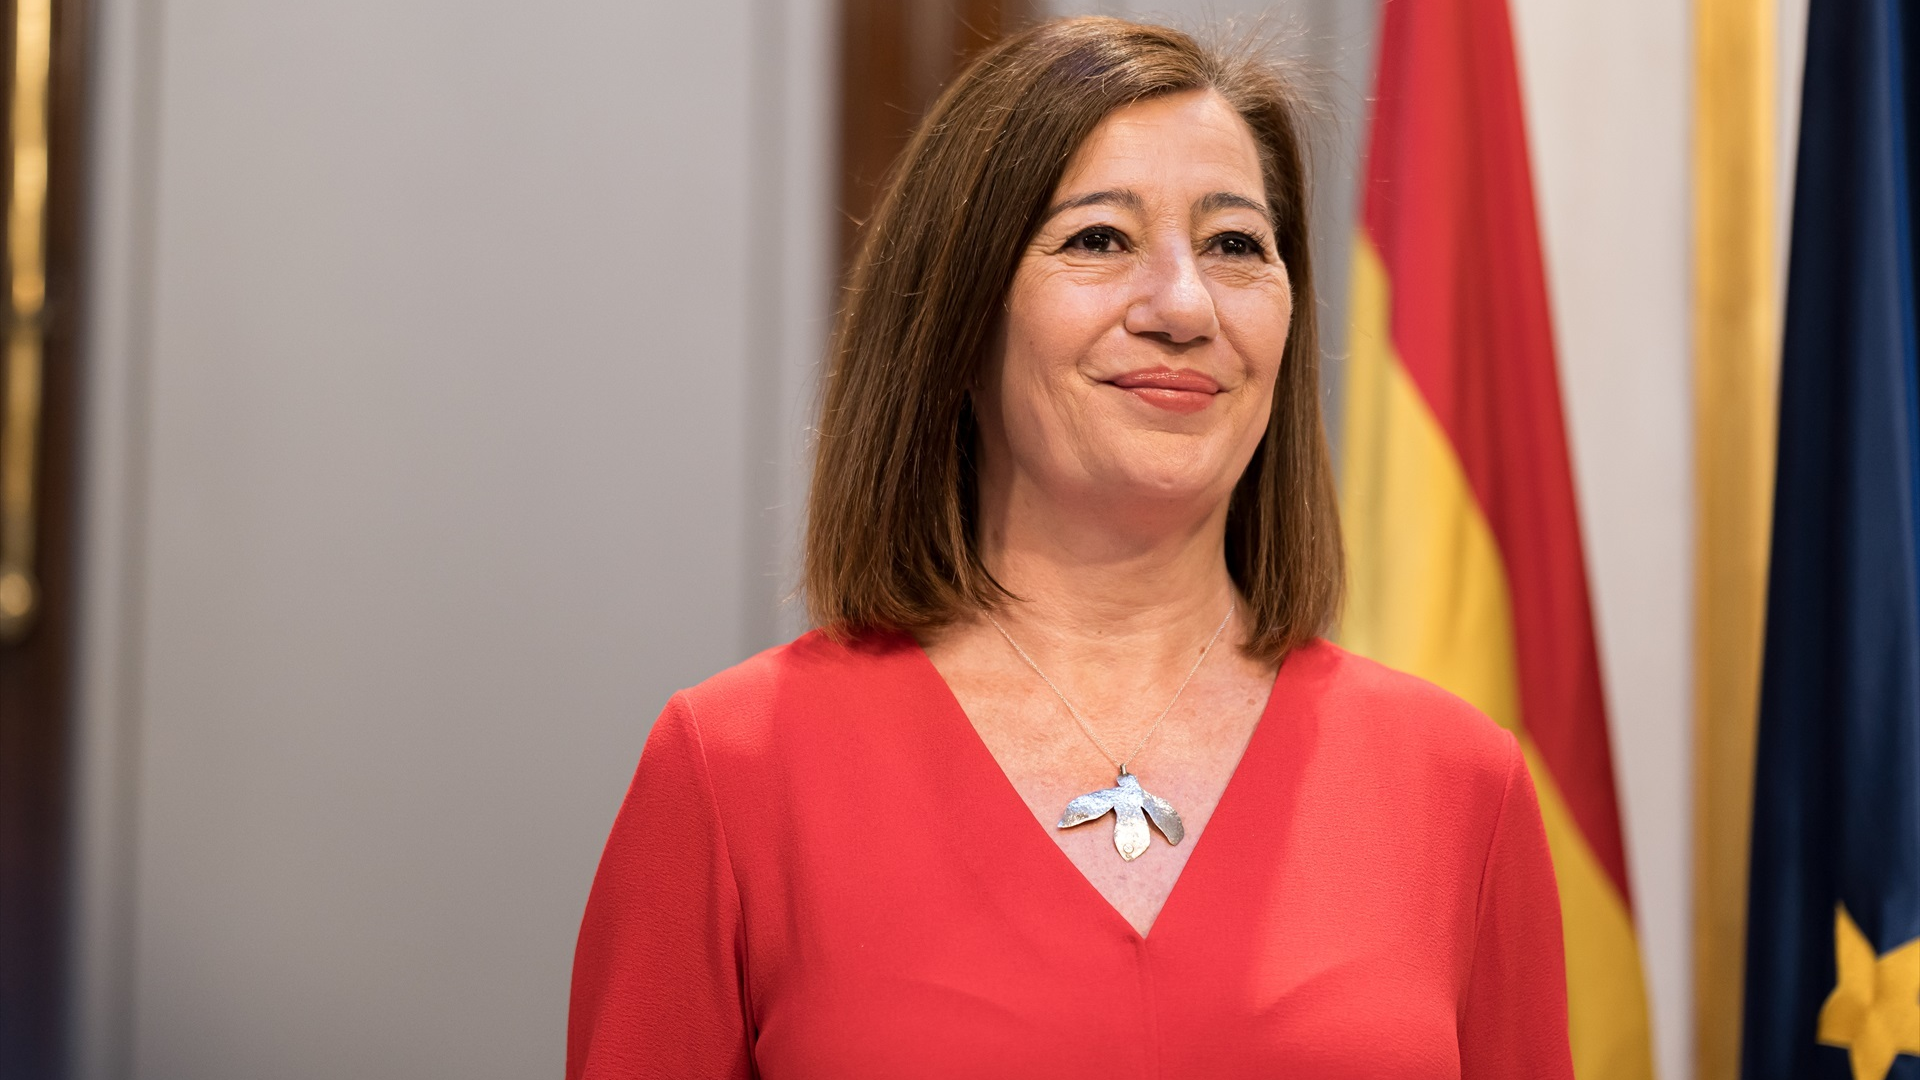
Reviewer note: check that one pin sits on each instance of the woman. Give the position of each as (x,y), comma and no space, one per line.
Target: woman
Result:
(1068,785)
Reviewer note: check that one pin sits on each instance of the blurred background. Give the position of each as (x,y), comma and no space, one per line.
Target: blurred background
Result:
(425,398)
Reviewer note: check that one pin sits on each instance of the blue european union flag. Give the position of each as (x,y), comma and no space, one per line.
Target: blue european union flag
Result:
(1833,936)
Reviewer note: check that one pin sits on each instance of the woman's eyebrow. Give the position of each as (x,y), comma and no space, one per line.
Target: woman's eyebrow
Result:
(1128,199)
(1227,200)
(1124,198)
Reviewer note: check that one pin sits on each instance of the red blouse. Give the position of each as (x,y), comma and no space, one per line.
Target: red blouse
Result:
(821,872)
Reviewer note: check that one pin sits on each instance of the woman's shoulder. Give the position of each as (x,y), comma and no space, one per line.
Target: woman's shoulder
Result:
(1400,717)
(815,679)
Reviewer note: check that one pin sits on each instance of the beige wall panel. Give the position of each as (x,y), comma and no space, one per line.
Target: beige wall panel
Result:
(440,353)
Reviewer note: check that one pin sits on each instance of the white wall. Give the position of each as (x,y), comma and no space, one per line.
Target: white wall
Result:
(447,363)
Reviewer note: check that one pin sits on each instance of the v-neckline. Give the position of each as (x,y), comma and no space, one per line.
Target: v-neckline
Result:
(1009,798)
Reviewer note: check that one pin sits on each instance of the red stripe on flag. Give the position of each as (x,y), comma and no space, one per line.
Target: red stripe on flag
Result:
(1449,205)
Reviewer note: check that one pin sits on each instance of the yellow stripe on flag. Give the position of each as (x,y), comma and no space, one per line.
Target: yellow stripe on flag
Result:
(1427,593)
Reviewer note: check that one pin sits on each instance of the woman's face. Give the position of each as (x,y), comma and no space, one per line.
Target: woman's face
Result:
(1147,319)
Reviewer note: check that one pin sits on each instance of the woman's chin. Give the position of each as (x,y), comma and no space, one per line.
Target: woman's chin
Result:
(1196,487)
(1164,467)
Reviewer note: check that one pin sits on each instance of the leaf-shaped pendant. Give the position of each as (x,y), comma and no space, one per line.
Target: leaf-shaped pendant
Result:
(1132,806)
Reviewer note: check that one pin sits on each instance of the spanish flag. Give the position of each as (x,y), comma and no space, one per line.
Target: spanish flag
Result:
(1457,493)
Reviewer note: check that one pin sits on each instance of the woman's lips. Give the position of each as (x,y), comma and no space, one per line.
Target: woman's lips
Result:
(1182,391)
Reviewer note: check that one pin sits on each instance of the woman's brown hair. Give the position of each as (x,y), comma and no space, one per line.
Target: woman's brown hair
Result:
(890,526)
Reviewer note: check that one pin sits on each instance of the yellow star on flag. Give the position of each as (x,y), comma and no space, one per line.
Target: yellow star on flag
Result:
(1874,1010)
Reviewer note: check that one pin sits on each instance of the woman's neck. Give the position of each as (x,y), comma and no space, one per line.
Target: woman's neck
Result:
(1109,589)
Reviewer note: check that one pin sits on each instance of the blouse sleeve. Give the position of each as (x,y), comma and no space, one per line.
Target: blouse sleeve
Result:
(659,969)
(1514,1021)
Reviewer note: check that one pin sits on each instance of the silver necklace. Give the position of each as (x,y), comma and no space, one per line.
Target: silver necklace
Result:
(1132,806)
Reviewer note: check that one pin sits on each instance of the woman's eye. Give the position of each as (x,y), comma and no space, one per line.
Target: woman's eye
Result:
(1238,245)
(1097,240)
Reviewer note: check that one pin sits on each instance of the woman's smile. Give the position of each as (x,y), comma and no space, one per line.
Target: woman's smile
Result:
(1182,391)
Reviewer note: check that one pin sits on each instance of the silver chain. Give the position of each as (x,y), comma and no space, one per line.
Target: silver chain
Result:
(1119,764)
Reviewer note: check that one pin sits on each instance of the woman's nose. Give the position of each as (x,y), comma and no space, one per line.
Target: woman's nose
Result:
(1173,303)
